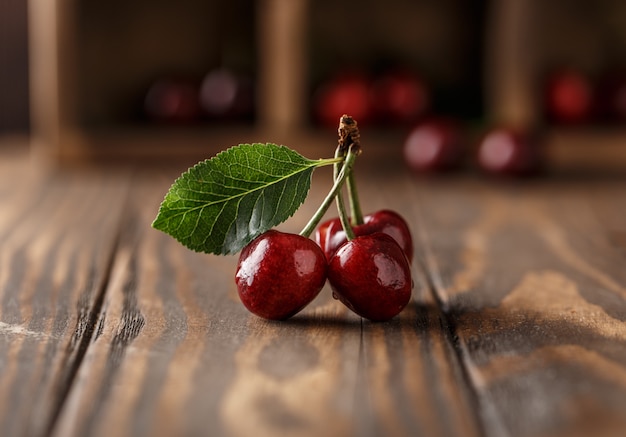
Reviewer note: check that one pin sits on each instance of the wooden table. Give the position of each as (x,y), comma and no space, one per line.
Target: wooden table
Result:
(516,327)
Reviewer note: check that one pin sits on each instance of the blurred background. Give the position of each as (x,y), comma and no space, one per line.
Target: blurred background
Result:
(14,115)
(93,79)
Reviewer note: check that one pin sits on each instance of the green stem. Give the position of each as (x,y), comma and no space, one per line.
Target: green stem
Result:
(338,159)
(355,206)
(344,218)
(339,152)
(341,206)
(341,178)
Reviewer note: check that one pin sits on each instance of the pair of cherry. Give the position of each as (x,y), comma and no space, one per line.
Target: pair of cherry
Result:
(439,144)
(279,273)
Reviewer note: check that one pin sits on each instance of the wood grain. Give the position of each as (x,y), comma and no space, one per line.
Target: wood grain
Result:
(57,238)
(179,355)
(516,326)
(536,293)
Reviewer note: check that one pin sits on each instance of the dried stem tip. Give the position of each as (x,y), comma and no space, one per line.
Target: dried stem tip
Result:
(349,136)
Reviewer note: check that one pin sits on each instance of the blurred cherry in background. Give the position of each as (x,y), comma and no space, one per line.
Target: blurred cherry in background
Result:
(225,94)
(511,152)
(347,92)
(399,97)
(173,101)
(569,97)
(434,145)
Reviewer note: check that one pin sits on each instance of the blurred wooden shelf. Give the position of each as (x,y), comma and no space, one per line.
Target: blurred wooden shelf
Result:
(596,149)
(583,149)
(60,132)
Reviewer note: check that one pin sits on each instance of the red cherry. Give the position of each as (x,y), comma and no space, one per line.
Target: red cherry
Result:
(371,275)
(330,234)
(399,97)
(173,101)
(435,145)
(569,97)
(278,274)
(509,152)
(226,94)
(346,93)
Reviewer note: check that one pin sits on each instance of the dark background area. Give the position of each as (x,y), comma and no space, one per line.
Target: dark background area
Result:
(13,66)
(123,46)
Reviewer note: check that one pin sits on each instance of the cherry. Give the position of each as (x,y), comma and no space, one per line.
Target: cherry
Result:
(346,93)
(371,275)
(279,273)
(434,145)
(173,100)
(509,152)
(569,97)
(399,97)
(224,93)
(330,234)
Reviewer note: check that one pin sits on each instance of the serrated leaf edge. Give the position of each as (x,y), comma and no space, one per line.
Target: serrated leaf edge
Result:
(311,164)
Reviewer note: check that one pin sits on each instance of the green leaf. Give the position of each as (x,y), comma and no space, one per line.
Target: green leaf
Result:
(221,204)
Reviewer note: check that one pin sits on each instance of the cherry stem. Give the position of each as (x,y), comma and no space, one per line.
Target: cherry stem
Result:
(337,169)
(344,218)
(355,206)
(341,178)
(341,207)
(338,159)
(350,139)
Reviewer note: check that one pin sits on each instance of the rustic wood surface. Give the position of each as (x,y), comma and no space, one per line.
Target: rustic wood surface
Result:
(516,326)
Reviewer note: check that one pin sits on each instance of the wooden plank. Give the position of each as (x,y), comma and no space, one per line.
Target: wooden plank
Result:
(533,284)
(51,281)
(412,376)
(179,355)
(411,381)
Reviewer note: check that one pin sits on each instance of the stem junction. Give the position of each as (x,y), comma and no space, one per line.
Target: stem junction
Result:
(348,162)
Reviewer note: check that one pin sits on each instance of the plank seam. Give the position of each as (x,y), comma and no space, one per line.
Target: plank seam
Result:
(428,266)
(482,409)
(92,327)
